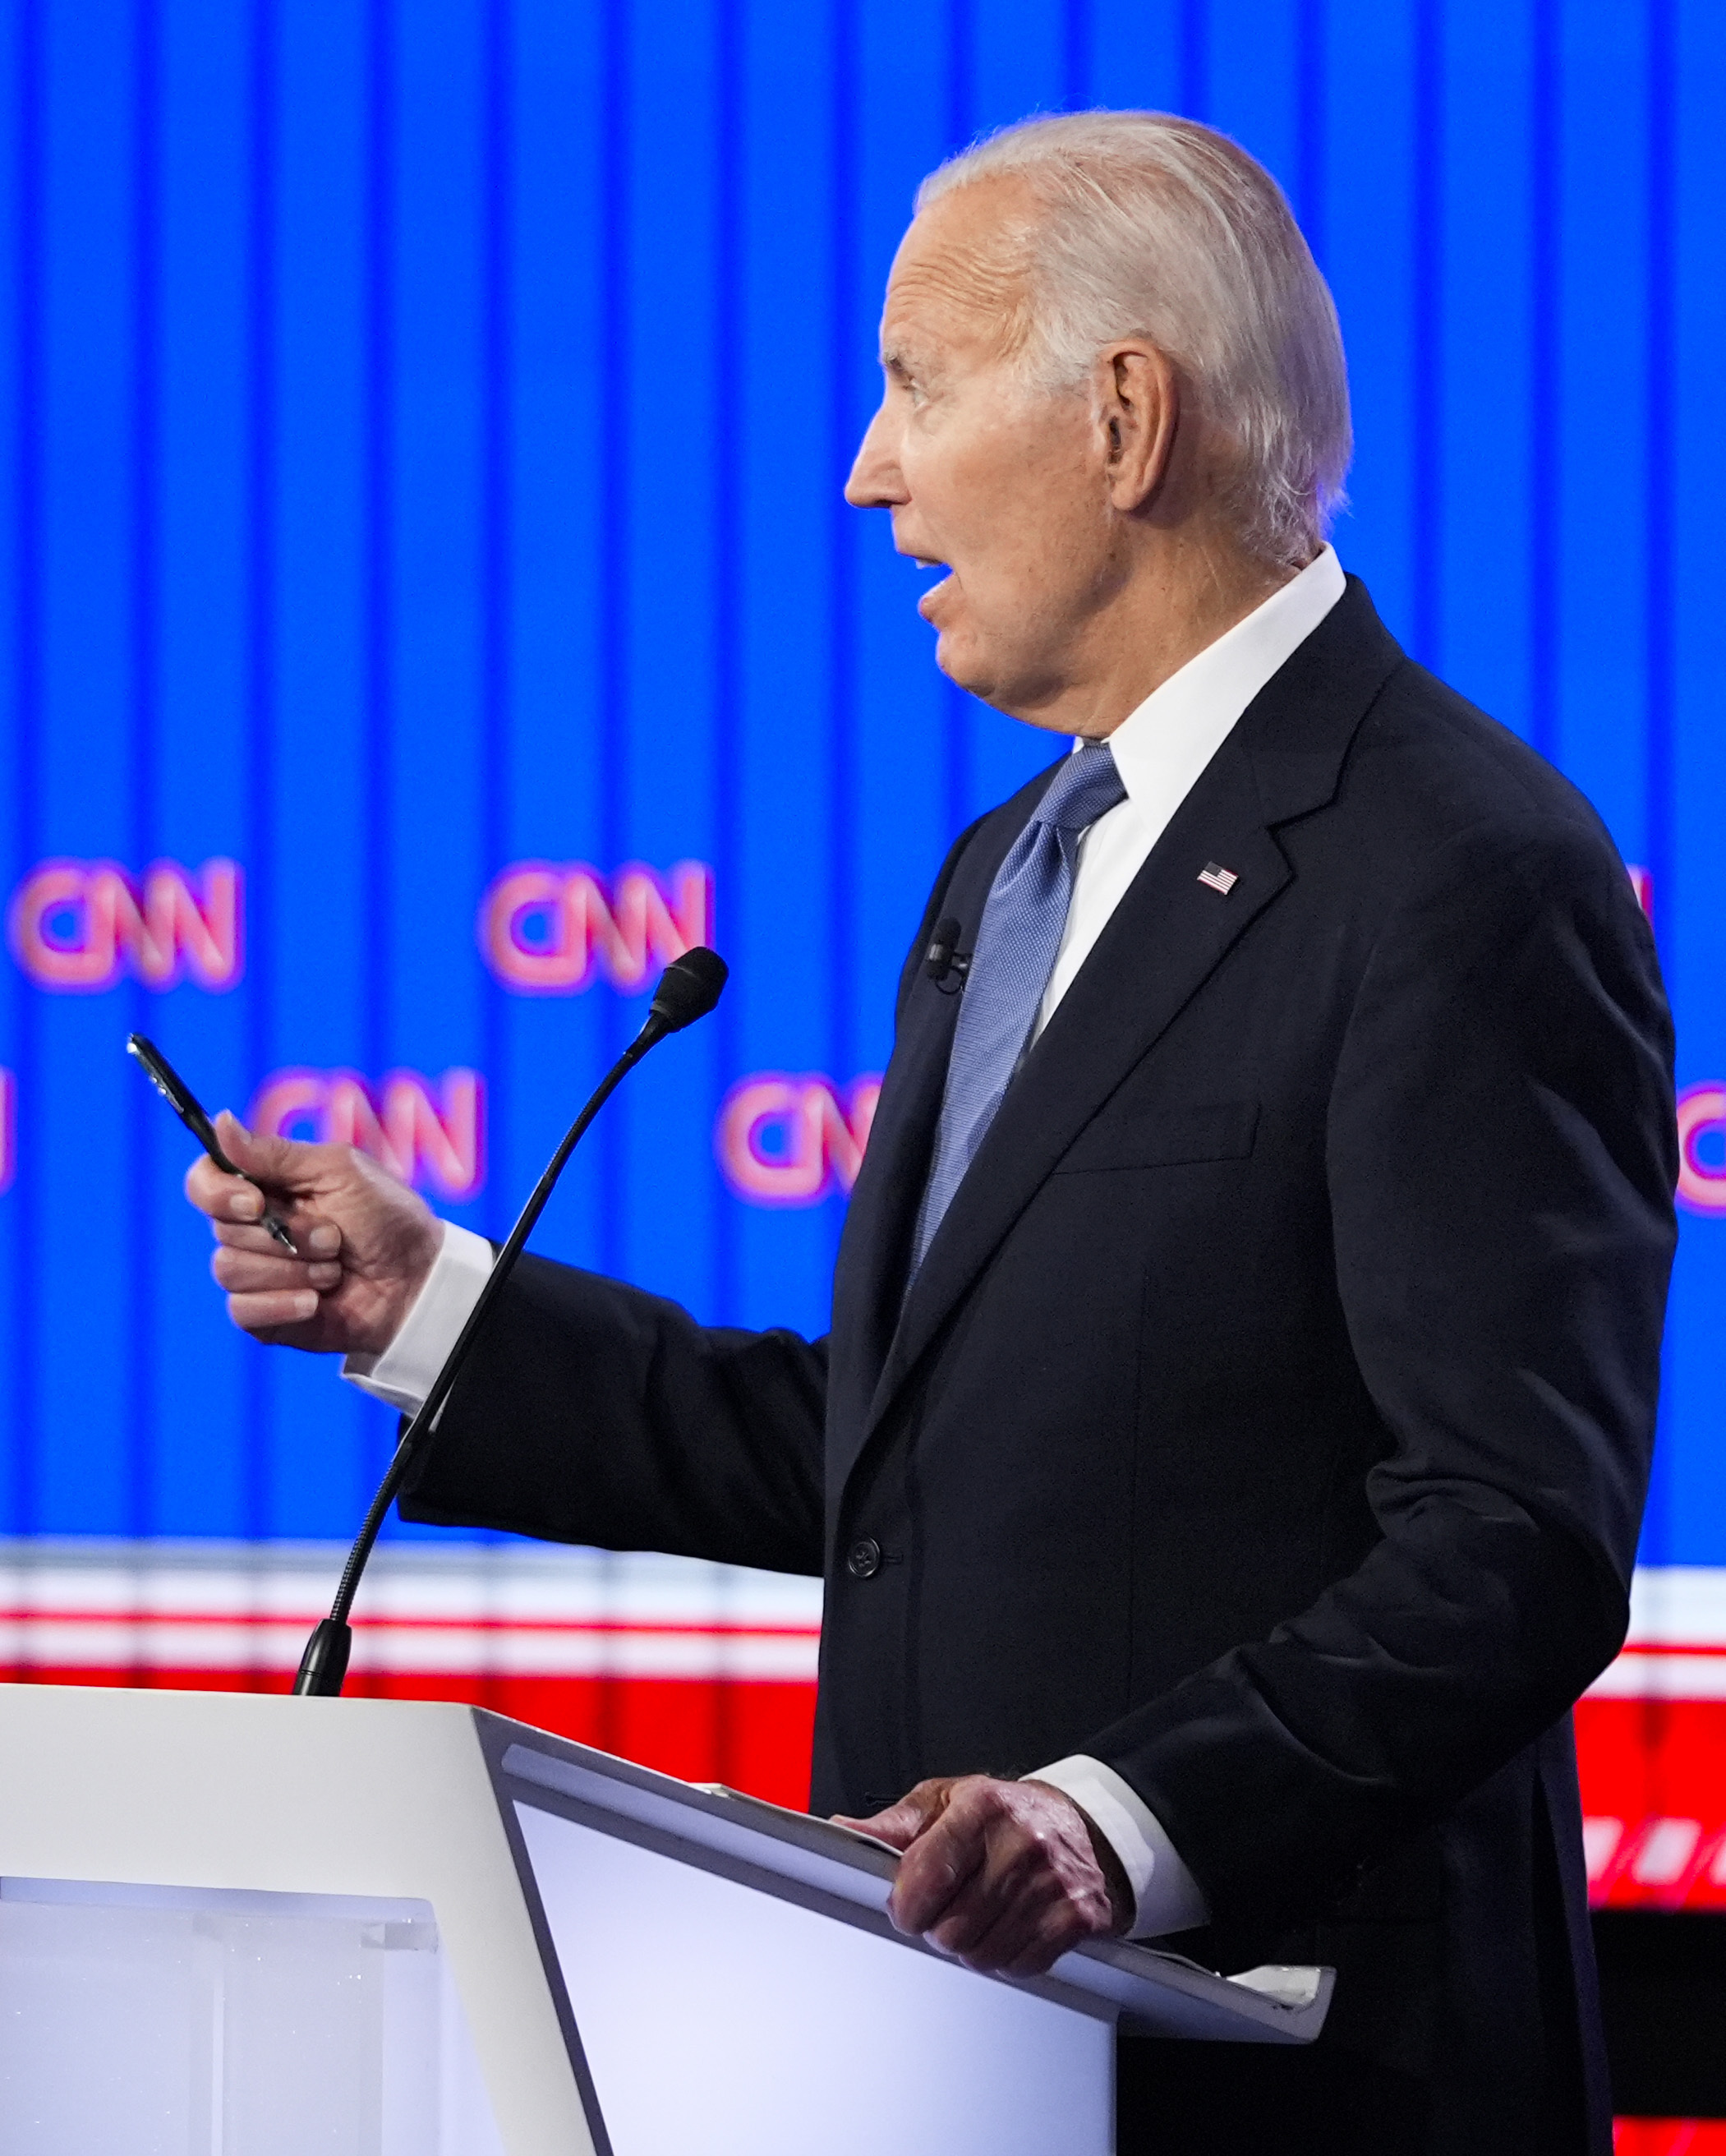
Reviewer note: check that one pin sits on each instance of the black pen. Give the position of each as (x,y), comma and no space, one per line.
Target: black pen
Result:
(174,1090)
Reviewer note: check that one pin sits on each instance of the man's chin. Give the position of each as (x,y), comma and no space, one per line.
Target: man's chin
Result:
(961,677)
(957,656)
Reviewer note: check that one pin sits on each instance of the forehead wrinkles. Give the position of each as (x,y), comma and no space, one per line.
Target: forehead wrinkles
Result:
(975,282)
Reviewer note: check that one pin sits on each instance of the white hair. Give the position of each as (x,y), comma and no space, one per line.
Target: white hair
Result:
(1156,227)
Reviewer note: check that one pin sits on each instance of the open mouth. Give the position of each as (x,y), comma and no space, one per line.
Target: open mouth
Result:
(944,577)
(931,598)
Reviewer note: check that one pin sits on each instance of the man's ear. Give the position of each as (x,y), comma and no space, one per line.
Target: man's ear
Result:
(1141,414)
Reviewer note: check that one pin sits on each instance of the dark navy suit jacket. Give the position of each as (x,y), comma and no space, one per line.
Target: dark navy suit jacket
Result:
(1271,1417)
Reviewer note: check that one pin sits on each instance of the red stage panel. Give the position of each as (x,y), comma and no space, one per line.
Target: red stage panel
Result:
(1650,1741)
(1670,2137)
(1654,1797)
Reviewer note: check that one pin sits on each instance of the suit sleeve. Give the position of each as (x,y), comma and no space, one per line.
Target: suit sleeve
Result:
(1500,1161)
(593,1413)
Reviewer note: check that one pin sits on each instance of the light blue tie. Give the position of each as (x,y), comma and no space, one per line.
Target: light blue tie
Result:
(1010,963)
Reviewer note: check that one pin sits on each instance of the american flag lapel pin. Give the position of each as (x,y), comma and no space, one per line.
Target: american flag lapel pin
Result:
(1218,877)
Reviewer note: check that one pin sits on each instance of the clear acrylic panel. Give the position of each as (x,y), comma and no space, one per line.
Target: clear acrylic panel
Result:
(183,2021)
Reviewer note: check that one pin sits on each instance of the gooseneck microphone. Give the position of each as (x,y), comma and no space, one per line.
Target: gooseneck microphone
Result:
(689,988)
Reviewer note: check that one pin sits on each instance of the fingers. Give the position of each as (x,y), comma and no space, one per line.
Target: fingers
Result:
(272,1313)
(933,1868)
(364,1243)
(1015,1912)
(901,1824)
(217,1194)
(1028,1942)
(235,1206)
(284,1164)
(270,1270)
(1005,1877)
(313,1237)
(270,1294)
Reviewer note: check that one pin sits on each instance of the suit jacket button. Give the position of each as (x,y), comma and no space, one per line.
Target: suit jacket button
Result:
(862,1560)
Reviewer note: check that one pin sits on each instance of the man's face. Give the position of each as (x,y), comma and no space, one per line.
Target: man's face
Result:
(1001,485)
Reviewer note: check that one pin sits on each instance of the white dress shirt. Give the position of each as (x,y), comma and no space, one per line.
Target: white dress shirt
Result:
(1159,750)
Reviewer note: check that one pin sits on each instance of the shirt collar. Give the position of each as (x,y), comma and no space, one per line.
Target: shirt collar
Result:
(1162,747)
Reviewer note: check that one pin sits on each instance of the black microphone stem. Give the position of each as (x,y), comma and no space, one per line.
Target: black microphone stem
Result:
(323,1665)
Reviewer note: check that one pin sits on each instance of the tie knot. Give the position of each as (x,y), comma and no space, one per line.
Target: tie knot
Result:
(1086,787)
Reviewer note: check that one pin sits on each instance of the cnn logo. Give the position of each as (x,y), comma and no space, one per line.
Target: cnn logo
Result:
(792,1141)
(434,1137)
(1701,1149)
(80,926)
(553,930)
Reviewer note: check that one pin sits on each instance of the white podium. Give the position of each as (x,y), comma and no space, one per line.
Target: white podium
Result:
(235,1925)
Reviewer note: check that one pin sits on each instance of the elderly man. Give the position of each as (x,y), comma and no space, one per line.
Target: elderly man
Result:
(1226,1459)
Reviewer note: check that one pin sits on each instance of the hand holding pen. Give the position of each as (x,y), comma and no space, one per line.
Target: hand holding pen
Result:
(185,1105)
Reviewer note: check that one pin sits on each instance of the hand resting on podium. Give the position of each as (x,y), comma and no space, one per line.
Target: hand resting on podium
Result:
(367,1243)
(1001,1875)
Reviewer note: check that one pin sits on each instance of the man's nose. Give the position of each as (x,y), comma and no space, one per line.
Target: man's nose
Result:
(875,481)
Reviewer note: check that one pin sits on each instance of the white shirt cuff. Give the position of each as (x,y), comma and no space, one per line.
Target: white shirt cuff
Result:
(407,1369)
(1166,1898)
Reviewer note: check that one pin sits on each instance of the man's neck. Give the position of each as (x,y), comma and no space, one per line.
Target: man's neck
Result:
(1181,599)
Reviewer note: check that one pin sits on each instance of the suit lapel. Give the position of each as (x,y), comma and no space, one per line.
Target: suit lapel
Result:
(1167,936)
(875,1247)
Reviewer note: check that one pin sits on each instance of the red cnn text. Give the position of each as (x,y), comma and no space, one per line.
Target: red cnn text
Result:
(553,929)
(782,1140)
(430,1134)
(77,927)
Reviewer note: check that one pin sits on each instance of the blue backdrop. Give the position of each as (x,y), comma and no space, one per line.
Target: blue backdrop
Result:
(422,428)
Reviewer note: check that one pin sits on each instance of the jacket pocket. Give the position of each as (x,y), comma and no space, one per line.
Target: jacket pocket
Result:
(1163,1138)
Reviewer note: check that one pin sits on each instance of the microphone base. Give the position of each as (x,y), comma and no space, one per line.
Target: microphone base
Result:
(323,1665)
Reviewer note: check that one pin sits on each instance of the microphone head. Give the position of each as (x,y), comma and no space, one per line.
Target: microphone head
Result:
(689,988)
